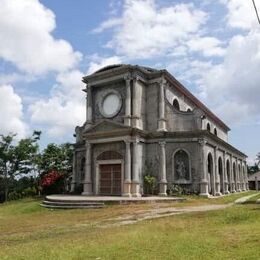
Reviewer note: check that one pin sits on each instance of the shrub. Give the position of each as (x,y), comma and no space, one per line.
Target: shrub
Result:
(149,184)
(52,182)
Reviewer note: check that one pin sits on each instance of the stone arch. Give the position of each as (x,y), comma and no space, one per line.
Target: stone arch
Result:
(208,126)
(176,104)
(221,174)
(181,166)
(235,174)
(228,175)
(210,173)
(109,155)
(82,168)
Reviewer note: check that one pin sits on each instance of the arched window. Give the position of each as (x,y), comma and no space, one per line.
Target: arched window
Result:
(176,104)
(109,155)
(188,110)
(181,166)
(215,131)
(208,127)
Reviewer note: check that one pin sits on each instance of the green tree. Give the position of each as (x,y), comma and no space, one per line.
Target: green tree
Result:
(258,159)
(56,157)
(17,159)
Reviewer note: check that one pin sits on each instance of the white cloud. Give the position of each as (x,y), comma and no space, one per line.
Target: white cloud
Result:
(26,39)
(241,13)
(145,30)
(64,109)
(11,112)
(233,86)
(98,62)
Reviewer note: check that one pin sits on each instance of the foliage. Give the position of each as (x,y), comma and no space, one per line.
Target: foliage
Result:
(176,189)
(52,182)
(149,184)
(17,159)
(252,169)
(56,158)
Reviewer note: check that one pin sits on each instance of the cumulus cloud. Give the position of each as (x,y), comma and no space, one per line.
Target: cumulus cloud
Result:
(11,112)
(145,30)
(26,38)
(98,62)
(64,109)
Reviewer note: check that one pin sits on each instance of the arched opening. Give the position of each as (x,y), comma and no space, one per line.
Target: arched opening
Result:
(82,168)
(210,173)
(228,175)
(188,110)
(215,131)
(221,175)
(181,167)
(239,178)
(109,155)
(208,127)
(176,104)
(235,175)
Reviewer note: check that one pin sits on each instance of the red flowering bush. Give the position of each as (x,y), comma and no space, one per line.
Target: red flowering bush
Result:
(52,182)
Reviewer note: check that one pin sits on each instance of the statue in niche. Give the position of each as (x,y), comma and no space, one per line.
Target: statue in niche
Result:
(181,170)
(181,166)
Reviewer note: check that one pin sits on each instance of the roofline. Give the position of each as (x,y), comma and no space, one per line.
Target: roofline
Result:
(187,93)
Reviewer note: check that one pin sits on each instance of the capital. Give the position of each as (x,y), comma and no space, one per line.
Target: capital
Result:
(202,141)
(162,143)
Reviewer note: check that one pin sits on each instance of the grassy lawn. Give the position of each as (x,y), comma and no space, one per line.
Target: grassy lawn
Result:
(28,231)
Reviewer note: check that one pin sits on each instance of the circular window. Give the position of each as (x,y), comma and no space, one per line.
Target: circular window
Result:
(111,104)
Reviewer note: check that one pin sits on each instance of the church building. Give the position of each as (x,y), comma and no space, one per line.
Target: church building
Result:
(142,121)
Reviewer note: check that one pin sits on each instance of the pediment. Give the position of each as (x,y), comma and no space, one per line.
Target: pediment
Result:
(106,126)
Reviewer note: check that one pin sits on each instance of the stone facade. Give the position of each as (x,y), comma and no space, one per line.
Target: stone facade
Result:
(141,120)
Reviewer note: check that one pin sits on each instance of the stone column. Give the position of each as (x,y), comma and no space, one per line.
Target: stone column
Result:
(73,181)
(225,180)
(127,180)
(204,187)
(256,184)
(162,120)
(136,174)
(136,112)
(243,177)
(89,107)
(232,175)
(162,173)
(246,176)
(217,177)
(88,178)
(127,118)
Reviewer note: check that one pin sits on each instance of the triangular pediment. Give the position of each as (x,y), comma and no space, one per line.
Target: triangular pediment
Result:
(106,126)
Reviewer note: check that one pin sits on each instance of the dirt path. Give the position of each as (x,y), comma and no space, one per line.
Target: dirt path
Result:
(158,213)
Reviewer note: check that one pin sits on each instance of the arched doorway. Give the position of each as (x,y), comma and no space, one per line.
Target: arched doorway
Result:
(235,175)
(228,175)
(210,174)
(109,173)
(221,175)
(176,104)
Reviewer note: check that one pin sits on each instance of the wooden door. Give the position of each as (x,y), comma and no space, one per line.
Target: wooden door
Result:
(110,179)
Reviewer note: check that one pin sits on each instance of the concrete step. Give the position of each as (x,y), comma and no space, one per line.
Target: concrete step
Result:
(72,203)
(71,206)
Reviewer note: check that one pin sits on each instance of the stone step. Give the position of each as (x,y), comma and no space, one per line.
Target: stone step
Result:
(72,203)
(71,206)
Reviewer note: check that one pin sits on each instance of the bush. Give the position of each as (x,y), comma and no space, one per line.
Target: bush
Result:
(149,184)
(52,183)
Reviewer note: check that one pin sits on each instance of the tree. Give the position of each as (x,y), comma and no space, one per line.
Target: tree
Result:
(258,159)
(17,159)
(55,159)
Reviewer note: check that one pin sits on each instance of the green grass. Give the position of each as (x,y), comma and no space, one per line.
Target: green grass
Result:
(28,231)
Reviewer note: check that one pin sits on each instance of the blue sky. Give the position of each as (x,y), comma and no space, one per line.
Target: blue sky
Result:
(46,46)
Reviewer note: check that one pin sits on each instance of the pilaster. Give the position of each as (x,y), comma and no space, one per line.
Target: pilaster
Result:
(88,178)
(127,118)
(163,181)
(216,174)
(127,180)
(162,120)
(204,188)
(136,174)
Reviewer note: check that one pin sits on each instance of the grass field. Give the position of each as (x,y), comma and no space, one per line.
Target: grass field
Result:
(28,231)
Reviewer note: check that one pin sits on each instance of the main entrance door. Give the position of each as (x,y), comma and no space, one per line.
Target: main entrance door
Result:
(110,179)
